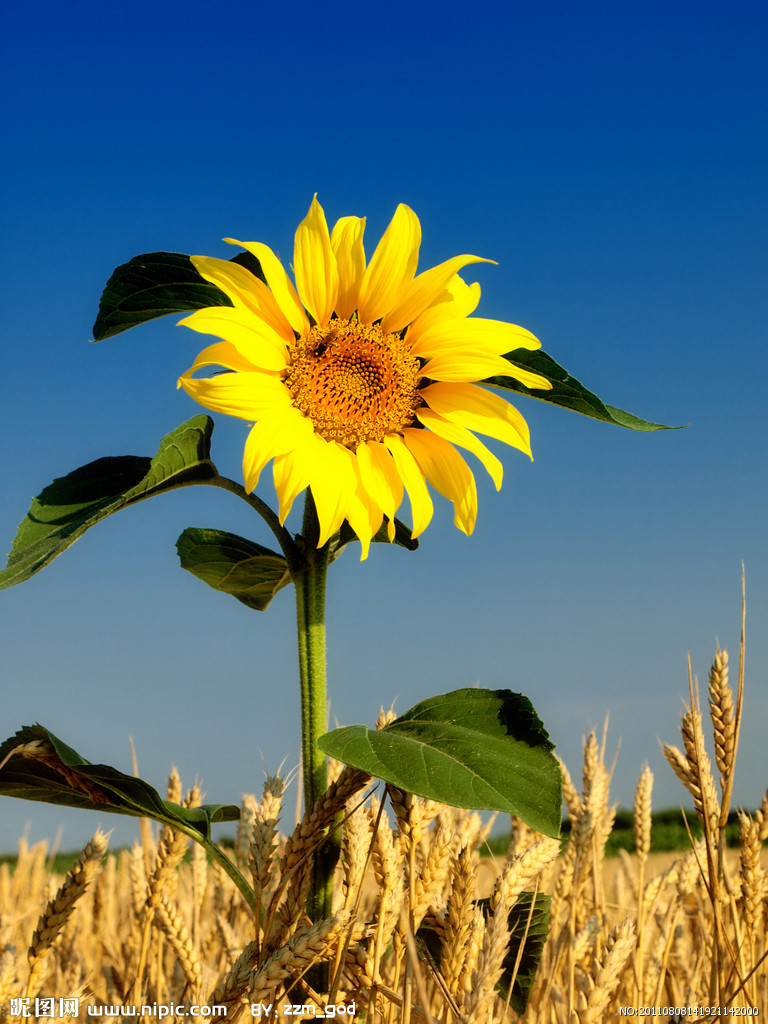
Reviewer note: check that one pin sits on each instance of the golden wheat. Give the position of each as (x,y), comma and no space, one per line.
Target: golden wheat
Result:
(408,939)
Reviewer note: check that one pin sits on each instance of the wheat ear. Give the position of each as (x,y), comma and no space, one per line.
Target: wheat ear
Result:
(7,974)
(752,886)
(60,907)
(642,827)
(298,954)
(295,864)
(618,949)
(431,879)
(355,852)
(265,820)
(458,920)
(176,930)
(702,785)
(721,713)
(570,793)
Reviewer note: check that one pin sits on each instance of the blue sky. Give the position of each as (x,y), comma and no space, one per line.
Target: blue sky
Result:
(610,157)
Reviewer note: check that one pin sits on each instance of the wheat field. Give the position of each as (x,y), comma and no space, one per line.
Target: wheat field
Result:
(410,940)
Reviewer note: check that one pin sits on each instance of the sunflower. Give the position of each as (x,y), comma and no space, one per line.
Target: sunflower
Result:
(359,379)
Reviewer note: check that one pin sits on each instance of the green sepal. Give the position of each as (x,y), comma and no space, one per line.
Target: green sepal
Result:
(482,749)
(36,765)
(566,391)
(156,284)
(70,505)
(233,565)
(346,535)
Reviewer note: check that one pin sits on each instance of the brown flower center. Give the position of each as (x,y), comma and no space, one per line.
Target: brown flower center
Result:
(354,382)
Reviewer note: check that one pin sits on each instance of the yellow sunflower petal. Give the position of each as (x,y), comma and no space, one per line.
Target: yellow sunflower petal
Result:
(333,483)
(474,334)
(363,514)
(527,377)
(413,480)
(314,265)
(467,366)
(253,338)
(279,283)
(347,244)
(246,395)
(360,518)
(392,266)
(454,302)
(475,408)
(423,290)
(448,473)
(379,476)
(456,434)
(271,437)
(231,278)
(225,354)
(245,291)
(464,298)
(291,476)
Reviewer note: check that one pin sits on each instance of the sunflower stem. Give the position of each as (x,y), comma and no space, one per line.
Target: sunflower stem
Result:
(309,581)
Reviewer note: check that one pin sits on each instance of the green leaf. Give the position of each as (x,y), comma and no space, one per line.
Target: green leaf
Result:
(251,573)
(72,504)
(529,926)
(156,284)
(152,285)
(36,765)
(484,749)
(567,391)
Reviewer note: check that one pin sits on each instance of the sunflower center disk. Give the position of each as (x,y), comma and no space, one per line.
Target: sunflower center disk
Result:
(354,382)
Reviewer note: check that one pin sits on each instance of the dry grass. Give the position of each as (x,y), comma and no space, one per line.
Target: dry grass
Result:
(154,925)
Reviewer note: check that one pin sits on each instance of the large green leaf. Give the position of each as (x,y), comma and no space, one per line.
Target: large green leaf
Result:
(484,749)
(155,284)
(72,504)
(36,765)
(567,391)
(251,573)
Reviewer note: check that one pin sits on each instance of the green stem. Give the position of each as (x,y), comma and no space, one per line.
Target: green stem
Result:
(308,566)
(283,537)
(217,854)
(309,581)
(310,616)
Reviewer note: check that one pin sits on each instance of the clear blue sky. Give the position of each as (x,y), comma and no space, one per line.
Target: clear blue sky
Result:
(611,158)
